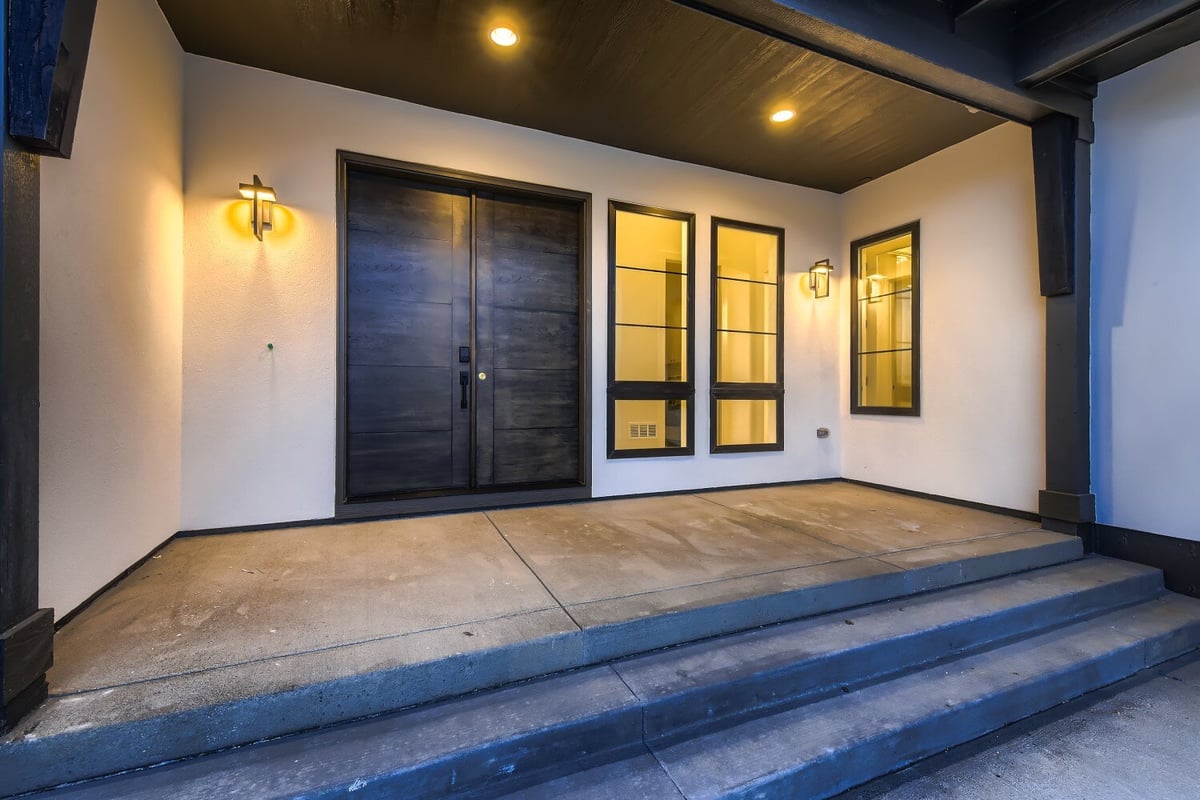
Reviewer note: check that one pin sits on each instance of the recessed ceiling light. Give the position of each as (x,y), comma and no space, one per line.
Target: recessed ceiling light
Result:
(783,115)
(505,37)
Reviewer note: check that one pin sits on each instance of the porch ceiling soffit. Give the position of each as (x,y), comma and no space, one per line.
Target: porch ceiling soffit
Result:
(651,76)
(1020,59)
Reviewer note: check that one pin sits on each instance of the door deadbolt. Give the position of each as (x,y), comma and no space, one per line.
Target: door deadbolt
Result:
(483,376)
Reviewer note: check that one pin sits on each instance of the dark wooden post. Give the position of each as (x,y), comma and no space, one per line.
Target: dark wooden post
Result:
(1062,178)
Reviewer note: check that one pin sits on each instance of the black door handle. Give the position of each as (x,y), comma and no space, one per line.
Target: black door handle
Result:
(464,380)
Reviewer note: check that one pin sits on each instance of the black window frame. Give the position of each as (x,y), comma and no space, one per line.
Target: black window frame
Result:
(746,391)
(914,230)
(651,390)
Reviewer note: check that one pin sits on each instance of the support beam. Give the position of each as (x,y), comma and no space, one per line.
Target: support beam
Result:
(1073,33)
(26,632)
(1062,183)
(912,41)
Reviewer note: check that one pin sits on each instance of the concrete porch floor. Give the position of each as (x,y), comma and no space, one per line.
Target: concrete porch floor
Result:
(245,636)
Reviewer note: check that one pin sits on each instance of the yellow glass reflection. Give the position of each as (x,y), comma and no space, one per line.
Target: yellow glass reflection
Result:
(648,242)
(747,305)
(651,299)
(650,354)
(746,422)
(885,323)
(745,357)
(747,255)
(649,424)
(743,306)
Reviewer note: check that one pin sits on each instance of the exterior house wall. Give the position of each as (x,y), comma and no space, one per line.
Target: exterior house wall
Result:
(980,435)
(259,424)
(1145,373)
(111,311)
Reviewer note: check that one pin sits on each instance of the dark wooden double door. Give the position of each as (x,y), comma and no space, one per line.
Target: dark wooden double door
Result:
(462,365)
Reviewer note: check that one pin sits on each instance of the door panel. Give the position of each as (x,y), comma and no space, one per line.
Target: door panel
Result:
(429,271)
(379,462)
(527,330)
(407,308)
(397,399)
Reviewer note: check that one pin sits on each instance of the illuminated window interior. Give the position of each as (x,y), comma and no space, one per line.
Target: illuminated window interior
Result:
(747,389)
(884,323)
(651,275)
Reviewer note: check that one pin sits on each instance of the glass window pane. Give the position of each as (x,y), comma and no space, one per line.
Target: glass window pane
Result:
(745,358)
(651,242)
(746,422)
(750,255)
(743,306)
(650,424)
(885,323)
(886,380)
(650,354)
(651,298)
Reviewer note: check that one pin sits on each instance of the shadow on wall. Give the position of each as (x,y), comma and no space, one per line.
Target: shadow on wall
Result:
(1129,129)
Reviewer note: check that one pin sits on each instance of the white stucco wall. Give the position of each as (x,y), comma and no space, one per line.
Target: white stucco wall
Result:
(111,311)
(1145,366)
(980,433)
(259,425)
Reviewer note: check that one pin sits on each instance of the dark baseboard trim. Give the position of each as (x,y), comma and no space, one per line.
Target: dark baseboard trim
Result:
(26,653)
(308,523)
(1079,509)
(1179,559)
(125,573)
(954,501)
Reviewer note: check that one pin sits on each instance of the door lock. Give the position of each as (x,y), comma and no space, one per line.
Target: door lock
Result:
(483,376)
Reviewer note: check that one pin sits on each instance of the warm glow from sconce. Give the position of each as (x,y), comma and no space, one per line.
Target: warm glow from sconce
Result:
(818,278)
(262,201)
(504,36)
(783,115)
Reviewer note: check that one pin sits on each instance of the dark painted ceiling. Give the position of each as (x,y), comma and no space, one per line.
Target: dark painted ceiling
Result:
(644,75)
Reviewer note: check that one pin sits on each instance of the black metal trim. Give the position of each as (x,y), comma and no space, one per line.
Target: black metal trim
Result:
(125,573)
(1179,559)
(914,230)
(450,500)
(745,391)
(651,390)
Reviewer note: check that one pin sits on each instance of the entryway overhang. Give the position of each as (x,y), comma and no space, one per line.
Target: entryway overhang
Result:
(876,86)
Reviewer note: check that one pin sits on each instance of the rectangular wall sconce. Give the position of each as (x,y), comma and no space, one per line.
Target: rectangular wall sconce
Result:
(818,278)
(261,198)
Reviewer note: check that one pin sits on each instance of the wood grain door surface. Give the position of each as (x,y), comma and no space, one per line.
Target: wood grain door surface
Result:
(431,270)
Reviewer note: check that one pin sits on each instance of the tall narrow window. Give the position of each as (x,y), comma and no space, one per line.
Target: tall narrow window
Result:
(747,347)
(885,335)
(650,342)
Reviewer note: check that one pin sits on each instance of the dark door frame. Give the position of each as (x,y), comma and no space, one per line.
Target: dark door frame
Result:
(432,502)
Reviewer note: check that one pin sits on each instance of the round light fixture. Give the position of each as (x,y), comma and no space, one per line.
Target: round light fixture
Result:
(505,37)
(783,115)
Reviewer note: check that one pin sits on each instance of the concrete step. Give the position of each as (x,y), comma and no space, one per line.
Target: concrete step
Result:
(687,689)
(93,733)
(501,740)
(819,750)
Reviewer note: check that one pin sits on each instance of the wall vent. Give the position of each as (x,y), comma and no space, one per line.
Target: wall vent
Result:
(643,430)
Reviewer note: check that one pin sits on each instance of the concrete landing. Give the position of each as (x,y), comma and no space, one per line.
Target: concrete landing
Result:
(219,641)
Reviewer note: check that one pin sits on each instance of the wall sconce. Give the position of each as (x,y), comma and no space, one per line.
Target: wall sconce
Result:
(818,278)
(262,199)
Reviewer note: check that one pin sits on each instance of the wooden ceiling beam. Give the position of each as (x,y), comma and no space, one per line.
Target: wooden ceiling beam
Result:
(1075,32)
(911,41)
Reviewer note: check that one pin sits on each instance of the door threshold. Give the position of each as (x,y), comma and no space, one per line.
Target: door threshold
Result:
(445,503)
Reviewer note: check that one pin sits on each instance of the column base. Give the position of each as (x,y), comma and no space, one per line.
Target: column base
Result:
(26,653)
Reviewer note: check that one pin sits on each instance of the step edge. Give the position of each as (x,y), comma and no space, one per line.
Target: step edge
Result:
(1142,652)
(897,668)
